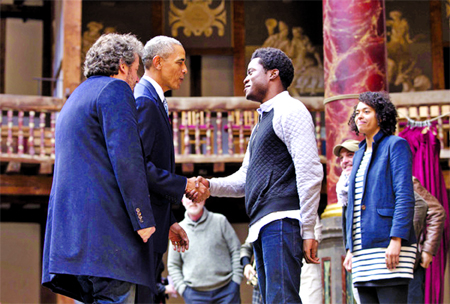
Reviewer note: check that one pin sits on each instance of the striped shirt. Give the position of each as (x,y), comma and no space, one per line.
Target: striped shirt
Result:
(369,264)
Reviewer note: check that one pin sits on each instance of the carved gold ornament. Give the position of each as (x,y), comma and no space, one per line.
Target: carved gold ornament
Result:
(197,18)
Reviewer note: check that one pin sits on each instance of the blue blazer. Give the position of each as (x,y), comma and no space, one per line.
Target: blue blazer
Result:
(156,135)
(388,195)
(99,196)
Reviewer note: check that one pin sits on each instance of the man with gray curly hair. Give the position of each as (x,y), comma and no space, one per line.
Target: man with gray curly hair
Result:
(99,215)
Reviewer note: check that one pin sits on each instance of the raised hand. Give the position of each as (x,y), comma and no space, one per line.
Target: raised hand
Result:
(178,237)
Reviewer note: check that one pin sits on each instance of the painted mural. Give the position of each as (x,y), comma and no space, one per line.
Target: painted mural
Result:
(409,65)
(295,27)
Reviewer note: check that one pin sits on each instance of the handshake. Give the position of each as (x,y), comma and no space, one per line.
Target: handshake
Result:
(197,189)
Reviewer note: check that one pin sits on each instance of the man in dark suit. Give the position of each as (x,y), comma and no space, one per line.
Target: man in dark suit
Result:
(99,215)
(164,62)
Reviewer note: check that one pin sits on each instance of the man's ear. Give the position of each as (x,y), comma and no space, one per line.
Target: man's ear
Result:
(122,68)
(274,74)
(157,62)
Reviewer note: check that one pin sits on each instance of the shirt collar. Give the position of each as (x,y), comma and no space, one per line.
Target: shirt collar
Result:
(157,87)
(268,105)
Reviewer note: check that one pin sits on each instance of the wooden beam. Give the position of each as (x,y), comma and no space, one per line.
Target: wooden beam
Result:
(437,51)
(239,68)
(25,185)
(30,103)
(72,45)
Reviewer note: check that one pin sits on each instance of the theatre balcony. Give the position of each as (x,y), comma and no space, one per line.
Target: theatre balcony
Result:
(209,133)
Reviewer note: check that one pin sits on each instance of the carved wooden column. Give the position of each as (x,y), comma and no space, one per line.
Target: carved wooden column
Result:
(354,62)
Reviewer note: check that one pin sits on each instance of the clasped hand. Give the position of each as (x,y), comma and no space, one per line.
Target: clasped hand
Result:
(196,190)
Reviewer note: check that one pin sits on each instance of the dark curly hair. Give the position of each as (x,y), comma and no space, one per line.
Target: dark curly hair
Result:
(385,110)
(272,58)
(104,57)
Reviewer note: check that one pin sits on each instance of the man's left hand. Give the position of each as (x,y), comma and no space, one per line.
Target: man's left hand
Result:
(310,251)
(178,237)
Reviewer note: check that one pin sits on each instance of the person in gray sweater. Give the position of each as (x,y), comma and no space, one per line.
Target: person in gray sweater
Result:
(210,272)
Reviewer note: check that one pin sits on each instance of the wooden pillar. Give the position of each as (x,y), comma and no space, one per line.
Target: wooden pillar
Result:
(72,45)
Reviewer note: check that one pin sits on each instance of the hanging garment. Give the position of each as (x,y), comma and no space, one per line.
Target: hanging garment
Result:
(425,147)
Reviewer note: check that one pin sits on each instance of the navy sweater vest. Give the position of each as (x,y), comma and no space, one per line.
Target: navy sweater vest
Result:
(271,181)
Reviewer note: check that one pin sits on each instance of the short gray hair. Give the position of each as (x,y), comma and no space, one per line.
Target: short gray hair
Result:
(159,45)
(105,56)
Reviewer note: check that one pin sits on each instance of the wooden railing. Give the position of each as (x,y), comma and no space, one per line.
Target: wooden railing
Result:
(206,129)
(217,129)
(27,127)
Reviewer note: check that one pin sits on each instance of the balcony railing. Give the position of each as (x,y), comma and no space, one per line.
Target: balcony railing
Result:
(206,129)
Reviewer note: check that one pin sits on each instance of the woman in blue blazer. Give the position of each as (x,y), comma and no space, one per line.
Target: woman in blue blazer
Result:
(380,240)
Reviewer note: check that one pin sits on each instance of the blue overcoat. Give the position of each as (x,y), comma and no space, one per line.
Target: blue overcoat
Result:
(99,196)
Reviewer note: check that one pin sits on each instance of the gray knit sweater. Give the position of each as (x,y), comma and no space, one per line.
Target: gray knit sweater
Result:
(212,260)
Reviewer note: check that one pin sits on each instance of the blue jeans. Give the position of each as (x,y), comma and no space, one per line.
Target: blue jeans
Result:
(228,294)
(278,254)
(416,289)
(105,290)
(390,294)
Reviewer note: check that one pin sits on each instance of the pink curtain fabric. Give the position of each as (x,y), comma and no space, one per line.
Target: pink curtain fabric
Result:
(425,148)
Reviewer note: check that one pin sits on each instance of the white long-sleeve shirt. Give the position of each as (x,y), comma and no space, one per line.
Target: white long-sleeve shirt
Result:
(293,124)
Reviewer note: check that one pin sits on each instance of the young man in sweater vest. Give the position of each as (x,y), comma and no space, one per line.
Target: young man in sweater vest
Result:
(210,272)
(281,177)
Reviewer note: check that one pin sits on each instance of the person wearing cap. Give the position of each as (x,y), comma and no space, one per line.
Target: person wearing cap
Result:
(344,152)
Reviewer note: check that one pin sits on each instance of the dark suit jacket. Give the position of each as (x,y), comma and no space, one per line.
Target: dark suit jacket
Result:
(99,196)
(156,135)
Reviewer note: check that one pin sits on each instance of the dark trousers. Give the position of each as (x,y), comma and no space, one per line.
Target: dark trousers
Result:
(105,290)
(278,255)
(144,295)
(389,294)
(228,294)
(416,288)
